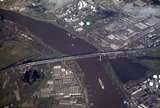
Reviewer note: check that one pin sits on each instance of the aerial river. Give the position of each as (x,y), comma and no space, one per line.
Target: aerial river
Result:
(58,39)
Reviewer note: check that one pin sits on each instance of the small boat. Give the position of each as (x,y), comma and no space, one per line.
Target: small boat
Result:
(100,82)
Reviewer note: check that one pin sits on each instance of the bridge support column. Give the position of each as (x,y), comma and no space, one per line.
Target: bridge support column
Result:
(100,58)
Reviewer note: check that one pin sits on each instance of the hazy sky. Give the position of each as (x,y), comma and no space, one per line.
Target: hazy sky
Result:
(142,11)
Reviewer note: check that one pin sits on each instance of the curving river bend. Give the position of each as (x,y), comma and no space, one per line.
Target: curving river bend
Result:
(59,40)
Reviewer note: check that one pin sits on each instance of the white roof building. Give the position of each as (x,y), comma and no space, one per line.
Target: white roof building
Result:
(82,4)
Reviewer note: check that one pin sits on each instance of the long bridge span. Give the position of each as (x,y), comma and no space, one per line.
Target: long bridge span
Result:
(112,54)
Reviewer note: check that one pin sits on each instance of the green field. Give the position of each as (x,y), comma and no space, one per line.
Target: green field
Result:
(12,51)
(153,64)
(40,16)
(155,53)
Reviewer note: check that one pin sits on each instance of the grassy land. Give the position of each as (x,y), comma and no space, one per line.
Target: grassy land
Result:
(155,53)
(40,16)
(153,64)
(6,94)
(12,51)
(7,4)
(46,102)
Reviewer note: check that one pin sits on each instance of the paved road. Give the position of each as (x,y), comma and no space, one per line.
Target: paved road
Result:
(91,55)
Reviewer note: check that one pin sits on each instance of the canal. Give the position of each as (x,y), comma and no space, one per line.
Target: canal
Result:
(58,39)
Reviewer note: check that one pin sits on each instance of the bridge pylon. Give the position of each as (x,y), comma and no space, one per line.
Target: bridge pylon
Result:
(100,58)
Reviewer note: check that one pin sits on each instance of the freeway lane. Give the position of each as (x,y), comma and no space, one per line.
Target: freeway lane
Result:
(58,39)
(110,55)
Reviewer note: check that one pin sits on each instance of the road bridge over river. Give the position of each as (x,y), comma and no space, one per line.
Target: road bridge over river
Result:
(112,54)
